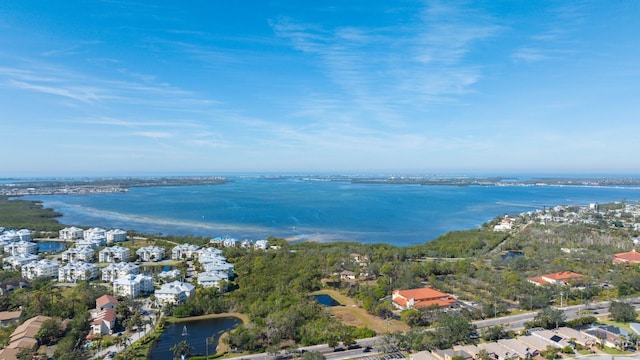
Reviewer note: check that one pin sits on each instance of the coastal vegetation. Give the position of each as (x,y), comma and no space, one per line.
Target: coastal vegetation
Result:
(28,215)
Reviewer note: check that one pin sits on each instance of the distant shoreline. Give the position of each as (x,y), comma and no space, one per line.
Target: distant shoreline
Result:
(81,186)
(99,186)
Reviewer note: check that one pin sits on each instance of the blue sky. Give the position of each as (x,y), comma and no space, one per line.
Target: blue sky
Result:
(120,87)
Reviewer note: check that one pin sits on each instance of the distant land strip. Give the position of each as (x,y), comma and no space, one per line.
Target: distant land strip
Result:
(19,187)
(99,186)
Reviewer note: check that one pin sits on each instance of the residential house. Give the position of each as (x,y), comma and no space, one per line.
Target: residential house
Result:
(132,285)
(114,271)
(103,322)
(500,352)
(422,355)
(9,318)
(631,257)
(576,336)
(347,275)
(24,336)
(150,253)
(469,349)
(361,260)
(176,292)
(78,254)
(114,254)
(421,298)
(535,342)
(450,354)
(105,302)
(608,335)
(43,268)
(518,347)
(74,271)
(559,278)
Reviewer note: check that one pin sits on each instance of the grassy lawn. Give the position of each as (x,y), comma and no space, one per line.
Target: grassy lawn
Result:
(351,314)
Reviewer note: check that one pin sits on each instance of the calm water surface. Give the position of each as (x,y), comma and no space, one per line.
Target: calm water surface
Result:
(257,208)
(197,333)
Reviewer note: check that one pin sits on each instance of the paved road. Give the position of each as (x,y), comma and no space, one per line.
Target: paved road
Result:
(513,322)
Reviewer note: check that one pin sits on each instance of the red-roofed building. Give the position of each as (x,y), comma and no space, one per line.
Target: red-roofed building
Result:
(104,322)
(421,298)
(631,257)
(560,278)
(106,301)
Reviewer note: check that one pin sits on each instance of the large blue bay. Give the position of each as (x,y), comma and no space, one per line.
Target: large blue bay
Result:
(256,208)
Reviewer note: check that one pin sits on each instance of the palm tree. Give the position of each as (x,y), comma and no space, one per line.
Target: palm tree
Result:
(180,349)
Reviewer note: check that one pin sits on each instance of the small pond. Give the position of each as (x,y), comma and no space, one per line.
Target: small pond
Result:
(51,247)
(326,300)
(195,333)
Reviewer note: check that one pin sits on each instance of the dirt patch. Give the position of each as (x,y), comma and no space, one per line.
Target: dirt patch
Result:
(352,315)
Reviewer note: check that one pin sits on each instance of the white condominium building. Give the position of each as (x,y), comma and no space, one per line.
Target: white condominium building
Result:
(95,233)
(224,241)
(133,285)
(114,254)
(91,243)
(150,253)
(169,275)
(74,271)
(212,278)
(117,235)
(209,254)
(184,252)
(261,245)
(24,234)
(21,247)
(219,266)
(78,254)
(19,260)
(40,269)
(10,236)
(176,292)
(114,271)
(71,233)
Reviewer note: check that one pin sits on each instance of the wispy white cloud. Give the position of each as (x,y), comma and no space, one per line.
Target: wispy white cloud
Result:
(154,134)
(379,70)
(553,42)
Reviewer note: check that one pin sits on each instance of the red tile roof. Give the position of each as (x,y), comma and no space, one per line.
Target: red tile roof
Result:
(104,300)
(423,297)
(559,277)
(108,315)
(632,257)
(562,276)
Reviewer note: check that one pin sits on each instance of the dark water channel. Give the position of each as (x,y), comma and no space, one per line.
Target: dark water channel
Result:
(195,332)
